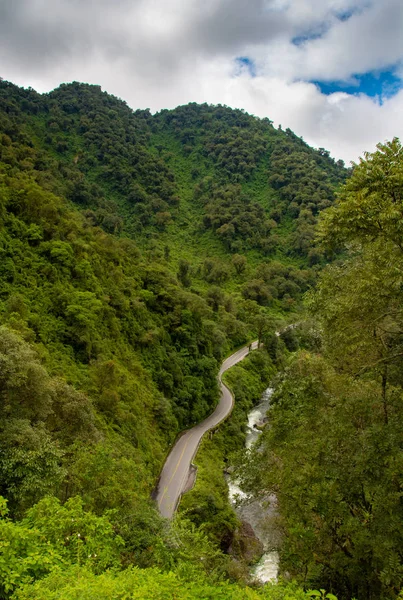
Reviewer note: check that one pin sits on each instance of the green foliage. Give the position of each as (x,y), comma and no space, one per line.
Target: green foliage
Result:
(258,187)
(109,346)
(239,262)
(81,536)
(227,138)
(333,464)
(369,205)
(62,551)
(207,505)
(24,554)
(305,183)
(333,452)
(247,380)
(239,222)
(38,416)
(370,338)
(51,537)
(79,583)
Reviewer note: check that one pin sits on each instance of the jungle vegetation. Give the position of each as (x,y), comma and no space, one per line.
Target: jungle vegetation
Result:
(333,452)
(137,251)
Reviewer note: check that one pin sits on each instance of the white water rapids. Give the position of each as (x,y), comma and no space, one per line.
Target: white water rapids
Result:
(259,514)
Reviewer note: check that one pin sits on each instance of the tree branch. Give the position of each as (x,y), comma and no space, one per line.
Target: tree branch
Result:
(378,362)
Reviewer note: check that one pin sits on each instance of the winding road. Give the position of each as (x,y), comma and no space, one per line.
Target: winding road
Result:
(176,472)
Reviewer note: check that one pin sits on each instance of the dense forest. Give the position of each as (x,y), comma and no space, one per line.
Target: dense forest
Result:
(138,251)
(333,453)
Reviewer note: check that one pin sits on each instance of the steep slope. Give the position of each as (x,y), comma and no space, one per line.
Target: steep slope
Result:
(137,251)
(154,167)
(333,452)
(252,184)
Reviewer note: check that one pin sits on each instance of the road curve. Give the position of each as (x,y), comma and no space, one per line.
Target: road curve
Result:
(176,470)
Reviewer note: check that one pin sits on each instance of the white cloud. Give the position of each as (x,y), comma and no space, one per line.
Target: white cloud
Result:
(367,41)
(161,53)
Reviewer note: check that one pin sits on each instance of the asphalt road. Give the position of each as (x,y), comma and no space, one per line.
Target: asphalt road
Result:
(176,471)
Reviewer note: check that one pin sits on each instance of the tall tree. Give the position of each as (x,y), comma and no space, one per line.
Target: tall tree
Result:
(333,453)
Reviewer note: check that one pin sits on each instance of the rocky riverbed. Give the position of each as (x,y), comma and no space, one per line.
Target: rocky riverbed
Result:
(258,515)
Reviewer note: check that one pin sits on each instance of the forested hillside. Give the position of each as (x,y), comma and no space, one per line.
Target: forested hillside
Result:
(333,454)
(137,250)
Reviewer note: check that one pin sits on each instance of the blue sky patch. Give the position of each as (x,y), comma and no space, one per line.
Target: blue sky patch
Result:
(347,14)
(244,63)
(324,27)
(314,34)
(384,84)
(300,40)
(320,30)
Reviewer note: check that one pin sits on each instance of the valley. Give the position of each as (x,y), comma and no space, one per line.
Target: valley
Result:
(140,250)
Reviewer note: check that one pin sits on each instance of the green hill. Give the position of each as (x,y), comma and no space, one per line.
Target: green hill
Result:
(137,250)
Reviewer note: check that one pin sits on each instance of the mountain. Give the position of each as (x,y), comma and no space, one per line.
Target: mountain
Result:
(137,251)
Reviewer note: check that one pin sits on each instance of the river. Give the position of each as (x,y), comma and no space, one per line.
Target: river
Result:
(260,514)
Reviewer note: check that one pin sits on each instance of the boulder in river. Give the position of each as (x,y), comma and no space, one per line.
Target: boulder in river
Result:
(245,545)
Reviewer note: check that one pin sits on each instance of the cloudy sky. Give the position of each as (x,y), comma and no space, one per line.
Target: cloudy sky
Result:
(331,70)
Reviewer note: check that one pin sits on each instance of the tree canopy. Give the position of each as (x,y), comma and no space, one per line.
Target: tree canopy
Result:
(333,453)
(137,251)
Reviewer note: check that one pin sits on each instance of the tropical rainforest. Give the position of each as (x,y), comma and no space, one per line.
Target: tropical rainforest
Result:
(137,252)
